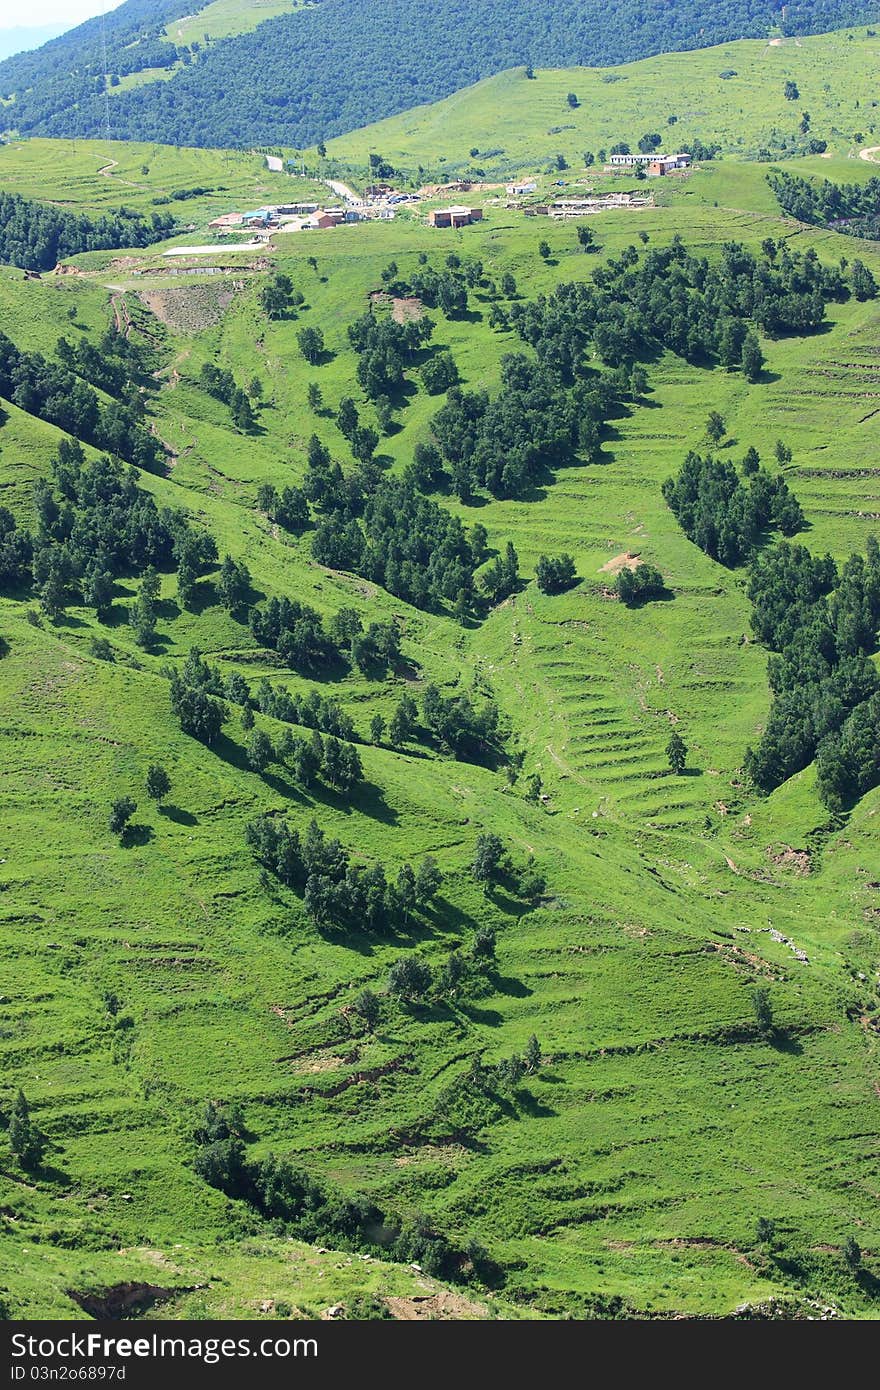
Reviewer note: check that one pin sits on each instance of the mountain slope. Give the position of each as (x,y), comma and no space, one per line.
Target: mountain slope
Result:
(330,67)
(732,95)
(629,1169)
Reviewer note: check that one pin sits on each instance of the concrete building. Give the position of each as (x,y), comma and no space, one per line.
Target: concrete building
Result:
(454,217)
(668,164)
(516,190)
(630,161)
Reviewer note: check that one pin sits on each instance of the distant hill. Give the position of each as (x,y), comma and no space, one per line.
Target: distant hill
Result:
(732,95)
(332,66)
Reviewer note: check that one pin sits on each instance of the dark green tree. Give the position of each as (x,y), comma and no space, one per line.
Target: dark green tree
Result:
(763,1010)
(488,855)
(676,752)
(368,1009)
(715,426)
(311,344)
(26,1140)
(121,813)
(410,979)
(158,782)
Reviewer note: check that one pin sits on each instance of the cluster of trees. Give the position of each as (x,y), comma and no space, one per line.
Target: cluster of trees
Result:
(278,296)
(311,710)
(337,764)
(238,92)
(336,891)
(503,444)
(196,691)
(220,383)
(94,524)
(288,508)
(385,349)
(638,585)
(666,297)
(56,394)
(117,366)
(849,759)
(372,649)
(847,207)
(412,979)
(295,631)
(501,578)
(493,866)
(458,725)
(555,573)
(313,1211)
(36,236)
(820,625)
(404,541)
(446,289)
(725,513)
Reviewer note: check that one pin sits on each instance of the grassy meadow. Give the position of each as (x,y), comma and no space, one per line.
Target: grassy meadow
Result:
(515,123)
(636,1162)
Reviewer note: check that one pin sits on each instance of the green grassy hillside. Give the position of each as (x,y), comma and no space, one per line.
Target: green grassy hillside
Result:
(732,94)
(224,18)
(635,1162)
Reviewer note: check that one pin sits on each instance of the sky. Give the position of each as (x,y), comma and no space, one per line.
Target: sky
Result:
(37,12)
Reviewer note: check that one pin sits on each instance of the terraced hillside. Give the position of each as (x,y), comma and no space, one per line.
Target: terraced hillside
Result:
(144,975)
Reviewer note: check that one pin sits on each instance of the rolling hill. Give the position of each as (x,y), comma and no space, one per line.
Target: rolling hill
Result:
(732,96)
(666,1154)
(327,68)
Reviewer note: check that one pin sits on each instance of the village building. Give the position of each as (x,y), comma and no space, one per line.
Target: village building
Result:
(581,207)
(516,190)
(454,217)
(668,164)
(632,161)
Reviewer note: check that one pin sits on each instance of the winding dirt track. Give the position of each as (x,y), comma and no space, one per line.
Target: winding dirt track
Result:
(870,152)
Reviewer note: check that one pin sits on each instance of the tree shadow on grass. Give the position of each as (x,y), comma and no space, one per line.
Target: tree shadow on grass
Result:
(511,906)
(514,989)
(530,1104)
(868,1283)
(781,1040)
(490,1018)
(178,816)
(136,836)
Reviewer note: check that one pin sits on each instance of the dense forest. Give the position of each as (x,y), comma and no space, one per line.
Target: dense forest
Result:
(853,208)
(36,236)
(240,90)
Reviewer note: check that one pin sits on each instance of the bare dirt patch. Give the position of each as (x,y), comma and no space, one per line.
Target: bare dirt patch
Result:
(124,1300)
(408,310)
(310,1066)
(190,308)
(404,309)
(443,1306)
(784,857)
(625,560)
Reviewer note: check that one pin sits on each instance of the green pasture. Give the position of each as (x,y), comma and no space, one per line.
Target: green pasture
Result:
(637,1160)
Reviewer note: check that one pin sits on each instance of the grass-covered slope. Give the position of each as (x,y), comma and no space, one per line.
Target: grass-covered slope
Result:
(732,95)
(635,1162)
(326,68)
